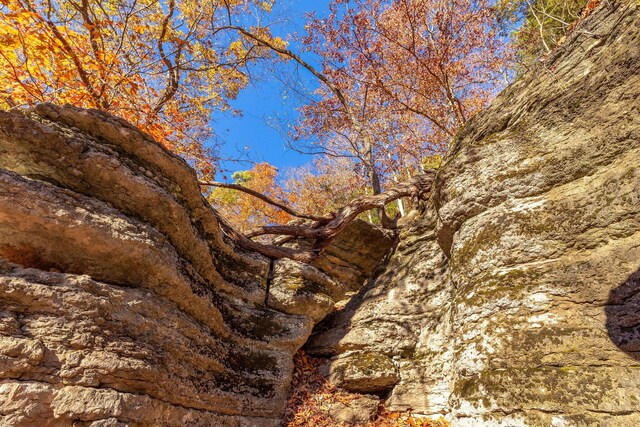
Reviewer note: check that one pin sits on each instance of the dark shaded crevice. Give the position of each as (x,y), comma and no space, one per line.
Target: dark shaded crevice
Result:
(623,316)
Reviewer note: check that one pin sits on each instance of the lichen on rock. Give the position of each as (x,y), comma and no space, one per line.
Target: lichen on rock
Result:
(362,372)
(512,301)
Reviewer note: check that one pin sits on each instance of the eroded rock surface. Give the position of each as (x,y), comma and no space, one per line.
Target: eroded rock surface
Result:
(404,316)
(357,411)
(355,253)
(121,299)
(362,372)
(514,302)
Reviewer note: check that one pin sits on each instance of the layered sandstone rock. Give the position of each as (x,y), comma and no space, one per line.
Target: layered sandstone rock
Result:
(121,299)
(539,208)
(355,253)
(515,301)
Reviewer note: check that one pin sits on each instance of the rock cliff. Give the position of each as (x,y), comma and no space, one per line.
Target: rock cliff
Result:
(514,301)
(121,299)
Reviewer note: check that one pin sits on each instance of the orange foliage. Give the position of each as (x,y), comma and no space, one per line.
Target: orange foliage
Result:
(589,8)
(245,211)
(325,186)
(162,65)
(310,394)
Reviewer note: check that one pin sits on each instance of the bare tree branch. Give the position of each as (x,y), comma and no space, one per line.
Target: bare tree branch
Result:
(266,199)
(323,231)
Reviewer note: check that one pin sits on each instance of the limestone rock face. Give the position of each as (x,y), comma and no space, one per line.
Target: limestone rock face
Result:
(353,255)
(121,300)
(362,372)
(354,412)
(404,315)
(515,300)
(301,289)
(539,208)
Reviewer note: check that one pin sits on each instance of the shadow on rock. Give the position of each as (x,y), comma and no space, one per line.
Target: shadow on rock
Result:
(623,316)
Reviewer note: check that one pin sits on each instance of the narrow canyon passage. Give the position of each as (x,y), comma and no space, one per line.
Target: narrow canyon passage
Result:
(511,299)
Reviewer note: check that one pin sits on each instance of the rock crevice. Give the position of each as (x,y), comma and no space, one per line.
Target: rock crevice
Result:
(512,300)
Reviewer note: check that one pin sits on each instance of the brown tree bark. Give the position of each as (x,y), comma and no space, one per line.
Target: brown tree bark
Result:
(323,230)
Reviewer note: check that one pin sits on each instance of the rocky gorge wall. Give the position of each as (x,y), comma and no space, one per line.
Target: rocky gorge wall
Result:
(515,300)
(122,301)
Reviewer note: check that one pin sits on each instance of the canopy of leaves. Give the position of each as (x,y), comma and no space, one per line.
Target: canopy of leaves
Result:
(405,75)
(398,79)
(325,186)
(161,64)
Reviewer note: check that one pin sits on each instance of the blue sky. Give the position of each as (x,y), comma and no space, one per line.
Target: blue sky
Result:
(263,101)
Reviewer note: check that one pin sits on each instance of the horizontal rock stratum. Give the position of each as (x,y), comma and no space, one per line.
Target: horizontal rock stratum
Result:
(122,300)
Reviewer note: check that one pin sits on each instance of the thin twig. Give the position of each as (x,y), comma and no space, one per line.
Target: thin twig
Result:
(266,199)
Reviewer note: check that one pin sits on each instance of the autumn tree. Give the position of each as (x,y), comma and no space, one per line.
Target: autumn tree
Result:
(404,76)
(324,185)
(397,79)
(543,24)
(163,65)
(245,211)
